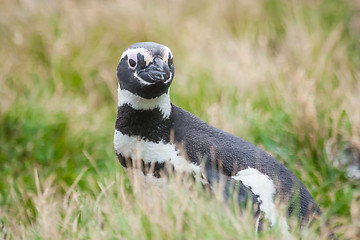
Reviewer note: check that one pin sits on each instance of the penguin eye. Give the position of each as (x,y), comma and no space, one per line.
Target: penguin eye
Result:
(132,63)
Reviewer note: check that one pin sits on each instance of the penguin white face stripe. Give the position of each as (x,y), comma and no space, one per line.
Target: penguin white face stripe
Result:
(163,102)
(165,53)
(148,57)
(142,81)
(262,186)
(169,78)
(132,53)
(150,152)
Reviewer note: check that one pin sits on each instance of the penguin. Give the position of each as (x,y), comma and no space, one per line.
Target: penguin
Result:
(152,133)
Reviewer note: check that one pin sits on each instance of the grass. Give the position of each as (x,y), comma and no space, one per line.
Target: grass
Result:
(283,75)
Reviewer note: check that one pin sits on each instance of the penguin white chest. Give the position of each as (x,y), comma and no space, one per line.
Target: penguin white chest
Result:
(135,148)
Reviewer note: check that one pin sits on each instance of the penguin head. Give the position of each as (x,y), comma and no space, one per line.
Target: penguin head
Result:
(146,69)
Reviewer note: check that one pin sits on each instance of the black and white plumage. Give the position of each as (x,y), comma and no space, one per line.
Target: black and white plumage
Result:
(150,128)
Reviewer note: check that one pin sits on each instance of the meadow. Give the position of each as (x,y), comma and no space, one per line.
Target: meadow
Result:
(284,75)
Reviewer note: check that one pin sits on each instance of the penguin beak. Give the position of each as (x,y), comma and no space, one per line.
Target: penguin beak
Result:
(157,71)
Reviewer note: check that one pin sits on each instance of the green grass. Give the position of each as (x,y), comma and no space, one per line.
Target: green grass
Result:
(283,75)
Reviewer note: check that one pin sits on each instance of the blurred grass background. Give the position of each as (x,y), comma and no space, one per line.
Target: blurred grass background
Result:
(284,75)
